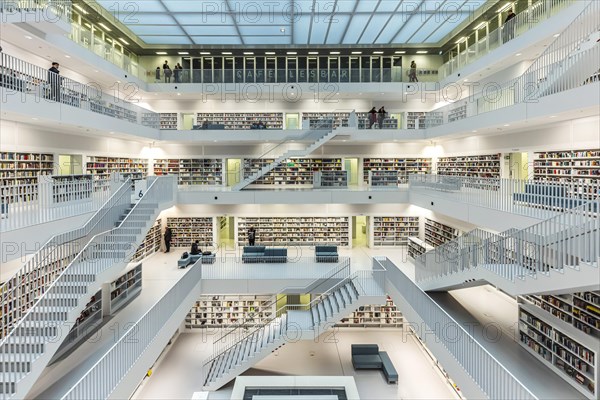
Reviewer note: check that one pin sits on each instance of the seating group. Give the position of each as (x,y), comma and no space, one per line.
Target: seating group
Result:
(326,253)
(262,254)
(191,259)
(368,356)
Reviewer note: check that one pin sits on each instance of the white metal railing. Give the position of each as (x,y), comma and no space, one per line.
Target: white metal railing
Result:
(532,198)
(106,374)
(562,241)
(59,8)
(34,83)
(228,267)
(485,370)
(21,289)
(47,200)
(538,12)
(98,255)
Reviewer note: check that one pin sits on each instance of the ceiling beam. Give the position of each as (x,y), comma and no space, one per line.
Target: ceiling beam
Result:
(175,20)
(234,19)
(388,21)
(352,14)
(331,18)
(406,22)
(442,24)
(368,22)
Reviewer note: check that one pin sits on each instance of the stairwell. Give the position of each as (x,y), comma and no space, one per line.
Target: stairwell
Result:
(324,136)
(295,322)
(30,345)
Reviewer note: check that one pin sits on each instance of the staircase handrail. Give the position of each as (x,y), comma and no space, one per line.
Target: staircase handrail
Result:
(116,361)
(42,256)
(342,267)
(158,185)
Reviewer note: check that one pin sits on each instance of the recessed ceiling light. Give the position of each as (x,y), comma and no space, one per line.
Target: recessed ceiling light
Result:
(111,132)
(504,7)
(422,52)
(226,53)
(334,52)
(77,6)
(360,94)
(178,94)
(28,37)
(68,56)
(400,52)
(557,35)
(161,53)
(249,53)
(357,52)
(466,80)
(378,52)
(506,124)
(292,53)
(282,30)
(518,54)
(553,116)
(462,39)
(105,27)
(338,93)
(95,70)
(270,53)
(88,25)
(123,40)
(183,53)
(474,131)
(313,52)
(205,53)
(481,25)
(34,118)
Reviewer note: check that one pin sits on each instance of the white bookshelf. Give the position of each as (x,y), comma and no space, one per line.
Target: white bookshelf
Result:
(568,352)
(295,171)
(102,167)
(569,166)
(415,120)
(402,166)
(225,311)
(479,166)
(394,231)
(151,119)
(374,316)
(330,179)
(434,118)
(341,119)
(168,121)
(191,171)
(151,243)
(123,289)
(186,230)
(23,169)
(416,247)
(457,113)
(298,231)
(437,233)
(241,120)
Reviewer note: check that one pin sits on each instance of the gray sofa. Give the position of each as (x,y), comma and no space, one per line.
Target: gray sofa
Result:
(191,259)
(263,254)
(368,356)
(326,253)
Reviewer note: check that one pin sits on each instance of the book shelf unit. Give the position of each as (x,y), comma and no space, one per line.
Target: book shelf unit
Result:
(437,234)
(434,118)
(457,113)
(23,169)
(341,119)
(112,110)
(576,166)
(194,171)
(567,351)
(186,230)
(151,243)
(241,120)
(299,231)
(394,231)
(481,166)
(403,166)
(85,325)
(296,171)
(416,247)
(102,167)
(168,121)
(580,309)
(229,310)
(17,301)
(374,316)
(151,119)
(331,179)
(124,289)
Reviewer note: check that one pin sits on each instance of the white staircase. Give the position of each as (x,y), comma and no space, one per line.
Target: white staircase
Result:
(294,322)
(559,255)
(29,346)
(323,137)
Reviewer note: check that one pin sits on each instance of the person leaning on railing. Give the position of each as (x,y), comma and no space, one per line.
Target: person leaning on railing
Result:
(54,81)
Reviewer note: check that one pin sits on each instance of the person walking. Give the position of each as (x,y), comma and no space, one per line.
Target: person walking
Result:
(509,26)
(372,117)
(167,72)
(412,73)
(381,114)
(251,236)
(168,236)
(54,82)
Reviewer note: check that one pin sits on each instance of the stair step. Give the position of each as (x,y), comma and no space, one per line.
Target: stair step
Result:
(334,303)
(327,306)
(355,292)
(315,316)
(346,295)
(322,314)
(339,298)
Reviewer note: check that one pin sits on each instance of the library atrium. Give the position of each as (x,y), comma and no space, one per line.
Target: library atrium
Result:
(300,199)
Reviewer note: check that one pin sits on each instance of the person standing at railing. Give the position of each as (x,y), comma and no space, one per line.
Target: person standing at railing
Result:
(372,117)
(157,76)
(54,82)
(167,72)
(177,73)
(412,73)
(381,116)
(509,26)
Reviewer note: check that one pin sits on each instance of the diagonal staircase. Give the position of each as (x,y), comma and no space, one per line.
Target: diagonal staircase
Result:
(294,322)
(27,349)
(559,255)
(323,136)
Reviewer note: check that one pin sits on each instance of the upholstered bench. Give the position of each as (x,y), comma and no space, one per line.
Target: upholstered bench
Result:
(189,260)
(326,253)
(388,368)
(366,356)
(253,253)
(275,255)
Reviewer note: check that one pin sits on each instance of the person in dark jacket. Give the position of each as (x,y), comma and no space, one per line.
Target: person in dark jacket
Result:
(54,82)
(251,236)
(195,250)
(167,72)
(168,236)
(509,26)
(372,117)
(381,116)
